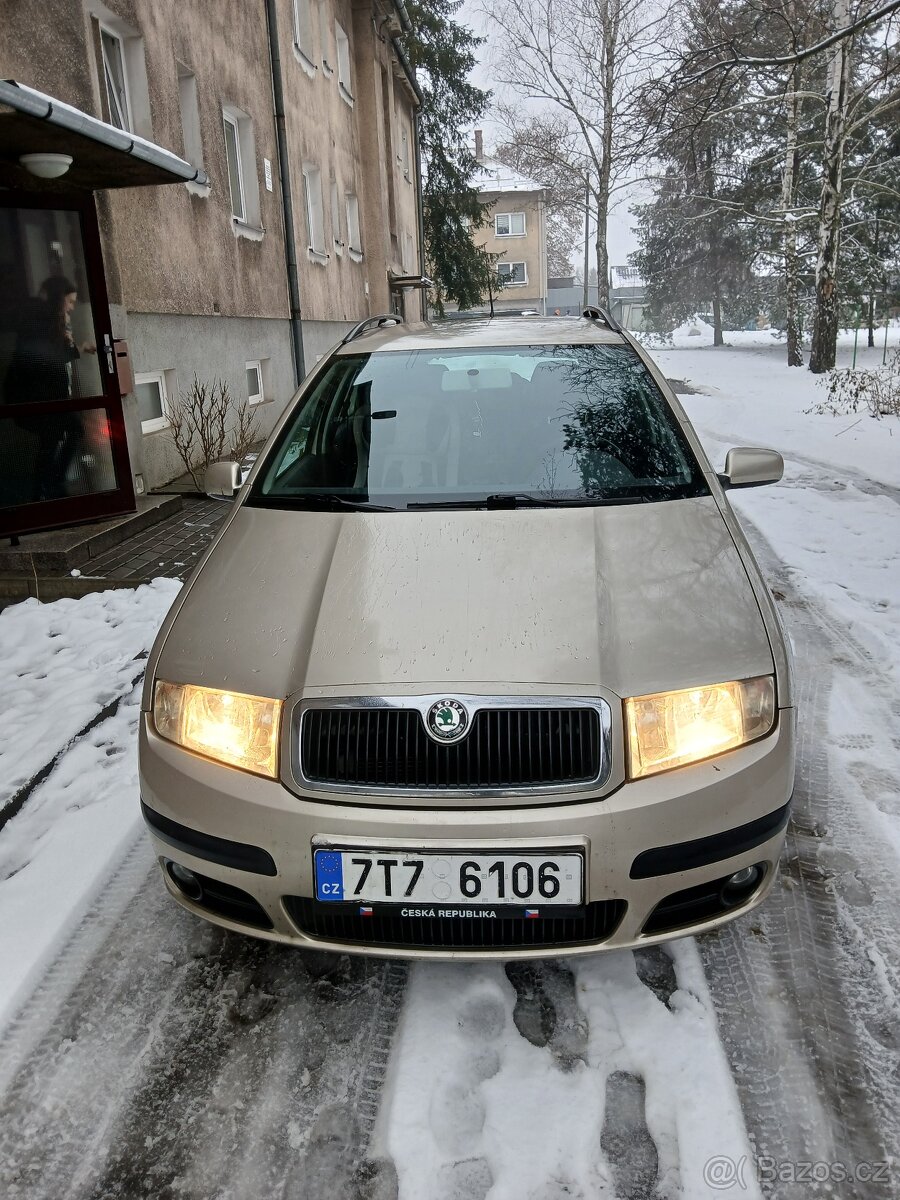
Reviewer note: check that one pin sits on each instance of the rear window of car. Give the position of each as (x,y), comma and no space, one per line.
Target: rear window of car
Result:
(545,424)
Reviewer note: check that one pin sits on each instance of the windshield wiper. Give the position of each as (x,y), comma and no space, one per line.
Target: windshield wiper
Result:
(524,500)
(332,501)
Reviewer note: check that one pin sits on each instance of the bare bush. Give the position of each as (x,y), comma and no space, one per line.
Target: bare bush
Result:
(202,427)
(244,433)
(875,391)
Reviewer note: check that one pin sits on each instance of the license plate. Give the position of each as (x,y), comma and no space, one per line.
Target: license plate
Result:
(412,877)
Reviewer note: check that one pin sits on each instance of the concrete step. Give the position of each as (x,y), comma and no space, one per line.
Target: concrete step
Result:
(59,551)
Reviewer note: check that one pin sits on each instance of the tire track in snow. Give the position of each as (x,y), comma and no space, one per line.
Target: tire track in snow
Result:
(108,709)
(185,1060)
(801,984)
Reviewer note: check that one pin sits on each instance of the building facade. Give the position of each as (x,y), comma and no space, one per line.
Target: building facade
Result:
(294,211)
(517,232)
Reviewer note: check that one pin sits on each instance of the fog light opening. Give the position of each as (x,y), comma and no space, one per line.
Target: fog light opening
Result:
(738,887)
(185,880)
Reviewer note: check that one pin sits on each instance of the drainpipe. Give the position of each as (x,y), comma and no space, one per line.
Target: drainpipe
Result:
(420,206)
(287,208)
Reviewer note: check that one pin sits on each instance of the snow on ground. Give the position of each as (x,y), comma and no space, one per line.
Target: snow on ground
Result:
(833,518)
(602,1079)
(64,664)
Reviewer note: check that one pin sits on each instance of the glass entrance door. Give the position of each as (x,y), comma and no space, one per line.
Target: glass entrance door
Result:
(63,454)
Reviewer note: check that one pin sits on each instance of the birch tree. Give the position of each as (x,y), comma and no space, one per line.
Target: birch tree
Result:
(819,101)
(825,330)
(585,60)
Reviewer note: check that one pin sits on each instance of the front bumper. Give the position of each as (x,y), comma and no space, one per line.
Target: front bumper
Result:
(650,842)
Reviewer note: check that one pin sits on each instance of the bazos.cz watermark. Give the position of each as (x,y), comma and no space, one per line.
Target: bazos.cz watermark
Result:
(723,1173)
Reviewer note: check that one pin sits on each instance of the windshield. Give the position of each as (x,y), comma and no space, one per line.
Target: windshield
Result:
(536,425)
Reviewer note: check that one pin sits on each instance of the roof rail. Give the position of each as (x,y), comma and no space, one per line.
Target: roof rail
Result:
(593,313)
(370,323)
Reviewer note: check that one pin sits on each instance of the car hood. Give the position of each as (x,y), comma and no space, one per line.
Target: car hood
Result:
(634,598)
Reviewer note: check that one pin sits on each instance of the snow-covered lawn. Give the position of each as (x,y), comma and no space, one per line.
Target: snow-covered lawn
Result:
(72,674)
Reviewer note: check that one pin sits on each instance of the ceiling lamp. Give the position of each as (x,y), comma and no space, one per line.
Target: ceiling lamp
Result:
(46,166)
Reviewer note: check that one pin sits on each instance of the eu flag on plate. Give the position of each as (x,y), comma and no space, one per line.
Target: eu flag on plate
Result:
(329,875)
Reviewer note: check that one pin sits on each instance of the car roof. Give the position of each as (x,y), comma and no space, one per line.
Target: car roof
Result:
(482,332)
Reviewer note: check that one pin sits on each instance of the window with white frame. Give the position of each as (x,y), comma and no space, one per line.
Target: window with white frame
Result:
(343,62)
(315,217)
(121,70)
(190,115)
(115,75)
(240,154)
(509,224)
(512,272)
(255,390)
(354,237)
(336,219)
(325,37)
(235,166)
(404,149)
(152,400)
(303,29)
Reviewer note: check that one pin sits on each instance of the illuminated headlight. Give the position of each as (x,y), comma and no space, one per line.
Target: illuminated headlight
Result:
(241,731)
(671,729)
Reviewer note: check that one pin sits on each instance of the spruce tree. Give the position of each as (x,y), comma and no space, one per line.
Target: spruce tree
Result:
(442,53)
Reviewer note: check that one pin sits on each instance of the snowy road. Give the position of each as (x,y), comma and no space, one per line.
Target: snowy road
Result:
(158,1057)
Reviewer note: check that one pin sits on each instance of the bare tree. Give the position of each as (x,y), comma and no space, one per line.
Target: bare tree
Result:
(202,429)
(586,60)
(541,147)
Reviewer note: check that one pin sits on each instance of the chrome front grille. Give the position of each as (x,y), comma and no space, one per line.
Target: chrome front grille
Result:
(510,746)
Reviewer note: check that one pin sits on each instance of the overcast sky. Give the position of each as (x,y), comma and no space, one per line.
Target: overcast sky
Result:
(621,239)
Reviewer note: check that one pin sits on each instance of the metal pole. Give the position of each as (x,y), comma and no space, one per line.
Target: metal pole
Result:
(887,313)
(587,240)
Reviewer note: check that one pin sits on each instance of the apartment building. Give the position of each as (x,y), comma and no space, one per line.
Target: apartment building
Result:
(517,232)
(242,185)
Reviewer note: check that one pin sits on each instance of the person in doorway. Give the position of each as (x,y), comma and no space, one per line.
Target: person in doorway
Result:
(41,370)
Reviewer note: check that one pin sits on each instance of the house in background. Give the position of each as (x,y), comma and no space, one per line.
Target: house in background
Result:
(517,232)
(284,132)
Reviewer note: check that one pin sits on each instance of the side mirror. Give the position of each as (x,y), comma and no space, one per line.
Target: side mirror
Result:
(747,466)
(222,480)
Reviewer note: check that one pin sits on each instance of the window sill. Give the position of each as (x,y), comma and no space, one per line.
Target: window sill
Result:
(149,427)
(506,236)
(327,68)
(356,255)
(255,403)
(515,283)
(305,61)
(346,95)
(198,189)
(316,256)
(253,233)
